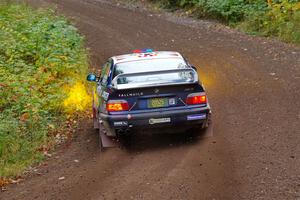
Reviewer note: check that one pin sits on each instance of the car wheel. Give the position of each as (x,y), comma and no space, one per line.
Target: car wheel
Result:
(203,130)
(207,123)
(126,139)
(207,128)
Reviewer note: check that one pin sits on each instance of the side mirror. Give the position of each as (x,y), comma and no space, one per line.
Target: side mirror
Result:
(91,78)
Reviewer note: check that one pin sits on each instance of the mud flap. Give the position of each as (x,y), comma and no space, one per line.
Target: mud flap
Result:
(208,127)
(95,118)
(104,140)
(95,112)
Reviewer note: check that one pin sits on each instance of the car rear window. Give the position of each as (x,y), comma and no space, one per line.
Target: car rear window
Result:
(150,65)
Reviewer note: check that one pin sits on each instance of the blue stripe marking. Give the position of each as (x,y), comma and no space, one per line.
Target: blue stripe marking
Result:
(196,117)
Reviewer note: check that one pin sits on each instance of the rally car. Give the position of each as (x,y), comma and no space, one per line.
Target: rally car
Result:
(148,89)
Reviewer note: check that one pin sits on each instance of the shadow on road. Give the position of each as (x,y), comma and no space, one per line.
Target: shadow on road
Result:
(154,140)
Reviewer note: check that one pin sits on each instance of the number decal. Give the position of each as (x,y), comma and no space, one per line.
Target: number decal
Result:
(147,55)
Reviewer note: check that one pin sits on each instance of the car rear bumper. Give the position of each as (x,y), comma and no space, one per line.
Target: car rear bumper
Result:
(187,117)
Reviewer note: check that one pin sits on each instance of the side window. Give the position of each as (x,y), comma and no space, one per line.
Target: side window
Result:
(105,73)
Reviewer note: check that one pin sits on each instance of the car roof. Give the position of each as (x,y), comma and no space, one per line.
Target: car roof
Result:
(146,56)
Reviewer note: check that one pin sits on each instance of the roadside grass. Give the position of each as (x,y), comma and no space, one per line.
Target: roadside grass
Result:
(269,18)
(42,59)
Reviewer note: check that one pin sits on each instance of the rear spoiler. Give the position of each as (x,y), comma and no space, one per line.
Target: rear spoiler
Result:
(187,75)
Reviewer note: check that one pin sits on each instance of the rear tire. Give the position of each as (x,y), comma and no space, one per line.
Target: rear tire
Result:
(207,123)
(207,128)
(126,139)
(204,130)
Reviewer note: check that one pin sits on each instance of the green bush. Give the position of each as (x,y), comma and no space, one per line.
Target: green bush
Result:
(278,18)
(281,19)
(229,11)
(41,57)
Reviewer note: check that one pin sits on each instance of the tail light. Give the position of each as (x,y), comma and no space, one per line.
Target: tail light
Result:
(117,105)
(196,98)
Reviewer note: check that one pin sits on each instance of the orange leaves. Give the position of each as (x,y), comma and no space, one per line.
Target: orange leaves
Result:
(49,79)
(24,117)
(4,182)
(270,2)
(297,6)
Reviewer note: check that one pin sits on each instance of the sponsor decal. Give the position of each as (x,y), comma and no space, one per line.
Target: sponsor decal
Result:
(131,94)
(196,117)
(144,55)
(172,101)
(105,95)
(188,89)
(123,123)
(99,90)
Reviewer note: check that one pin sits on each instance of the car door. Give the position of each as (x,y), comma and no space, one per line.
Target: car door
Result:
(102,85)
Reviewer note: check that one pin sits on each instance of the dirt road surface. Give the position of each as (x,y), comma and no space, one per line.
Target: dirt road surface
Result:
(254,89)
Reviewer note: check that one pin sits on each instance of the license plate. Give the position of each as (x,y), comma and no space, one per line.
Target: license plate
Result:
(159,120)
(158,103)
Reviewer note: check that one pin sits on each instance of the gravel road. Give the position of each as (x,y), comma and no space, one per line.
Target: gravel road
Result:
(254,88)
